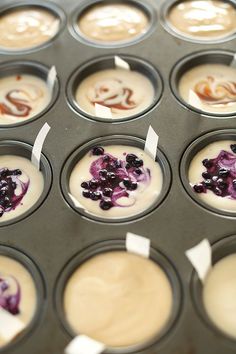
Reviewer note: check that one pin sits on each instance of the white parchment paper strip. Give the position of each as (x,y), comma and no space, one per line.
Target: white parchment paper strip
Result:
(10,325)
(151,143)
(201,258)
(84,345)
(121,63)
(194,100)
(52,74)
(102,111)
(138,244)
(38,145)
(233,62)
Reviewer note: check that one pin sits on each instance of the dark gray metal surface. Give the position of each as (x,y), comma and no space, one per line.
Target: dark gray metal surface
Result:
(53,233)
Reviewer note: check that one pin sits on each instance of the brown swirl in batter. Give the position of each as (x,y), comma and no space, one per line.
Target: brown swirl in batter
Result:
(216,93)
(112,93)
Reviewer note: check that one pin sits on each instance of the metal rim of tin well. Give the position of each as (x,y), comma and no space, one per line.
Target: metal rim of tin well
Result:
(78,35)
(165,9)
(119,245)
(127,140)
(107,62)
(45,5)
(36,69)
(188,62)
(40,285)
(196,146)
(19,148)
(221,249)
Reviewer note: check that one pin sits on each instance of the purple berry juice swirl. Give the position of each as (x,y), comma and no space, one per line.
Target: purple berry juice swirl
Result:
(116,180)
(212,175)
(10,294)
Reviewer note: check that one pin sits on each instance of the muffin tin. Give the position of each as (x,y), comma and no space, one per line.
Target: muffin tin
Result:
(55,231)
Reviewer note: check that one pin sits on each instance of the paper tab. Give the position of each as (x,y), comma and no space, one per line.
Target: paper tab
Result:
(121,63)
(84,345)
(52,74)
(102,111)
(201,258)
(38,145)
(75,201)
(233,62)
(138,244)
(10,325)
(194,100)
(151,143)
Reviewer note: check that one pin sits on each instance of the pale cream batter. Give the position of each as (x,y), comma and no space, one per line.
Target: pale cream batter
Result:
(22,97)
(214,85)
(27,27)
(139,200)
(28,300)
(219,293)
(35,189)
(203,19)
(119,299)
(115,22)
(195,175)
(125,92)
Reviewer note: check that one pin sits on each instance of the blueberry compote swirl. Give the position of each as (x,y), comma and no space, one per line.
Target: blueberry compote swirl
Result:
(10,294)
(113,179)
(12,189)
(220,175)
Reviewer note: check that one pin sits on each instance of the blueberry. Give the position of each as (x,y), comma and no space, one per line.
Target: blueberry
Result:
(138,163)
(217,191)
(206,175)
(13,184)
(103,173)
(16,172)
(233,148)
(128,166)
(111,176)
(93,184)
(222,184)
(1,212)
(138,171)
(95,195)
(198,188)
(130,158)
(117,164)
(4,172)
(106,204)
(86,194)
(223,172)
(106,158)
(234,184)
(107,192)
(134,186)
(3,192)
(208,183)
(127,182)
(207,163)
(214,178)
(85,185)
(97,150)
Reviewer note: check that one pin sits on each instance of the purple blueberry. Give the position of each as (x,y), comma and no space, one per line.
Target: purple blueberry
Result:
(207,163)
(198,188)
(233,148)
(97,150)
(106,204)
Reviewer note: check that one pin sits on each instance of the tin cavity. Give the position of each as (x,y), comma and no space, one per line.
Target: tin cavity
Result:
(127,93)
(206,83)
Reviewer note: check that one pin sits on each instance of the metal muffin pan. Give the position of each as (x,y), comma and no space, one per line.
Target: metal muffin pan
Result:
(55,232)
(106,141)
(147,9)
(191,61)
(118,245)
(166,8)
(105,63)
(22,67)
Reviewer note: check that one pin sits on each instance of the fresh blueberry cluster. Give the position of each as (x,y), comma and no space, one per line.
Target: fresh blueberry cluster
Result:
(9,179)
(113,178)
(9,301)
(220,175)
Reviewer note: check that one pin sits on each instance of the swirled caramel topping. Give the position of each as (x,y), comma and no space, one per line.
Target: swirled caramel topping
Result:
(213,92)
(112,93)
